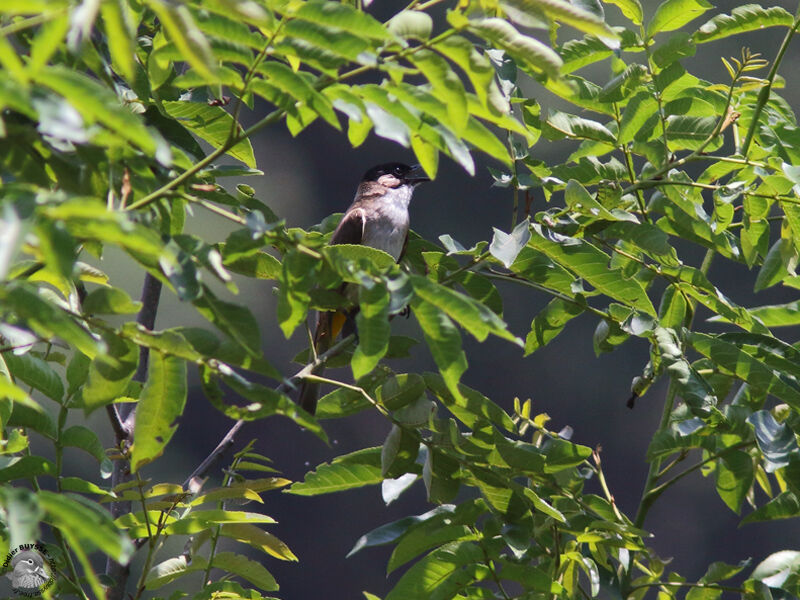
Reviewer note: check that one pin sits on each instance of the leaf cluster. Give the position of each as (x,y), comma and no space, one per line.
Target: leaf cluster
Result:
(103,108)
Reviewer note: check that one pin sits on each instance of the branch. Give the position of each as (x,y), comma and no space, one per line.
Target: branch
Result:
(656,491)
(122,417)
(194,482)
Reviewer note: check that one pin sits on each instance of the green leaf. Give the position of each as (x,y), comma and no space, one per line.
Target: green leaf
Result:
(750,17)
(120,34)
(264,402)
(346,472)
(45,318)
(343,255)
(25,412)
(81,437)
(160,405)
(473,316)
(632,9)
(372,321)
(672,311)
(212,124)
(84,523)
(505,247)
(399,450)
(110,301)
(477,67)
(674,14)
(233,320)
(469,405)
(735,477)
(561,454)
(297,278)
(692,387)
(736,361)
(173,568)
(775,267)
(110,373)
(686,132)
(534,578)
(259,539)
(247,569)
(591,264)
(720,571)
(527,51)
(299,88)
(187,37)
(679,45)
(783,506)
(22,515)
(775,440)
(343,16)
(400,390)
(550,322)
(579,53)
(445,84)
(776,315)
(427,535)
(390,532)
(411,24)
(97,103)
(624,85)
(37,373)
(439,574)
(778,569)
(560,125)
(570,14)
(259,265)
(444,342)
(24,467)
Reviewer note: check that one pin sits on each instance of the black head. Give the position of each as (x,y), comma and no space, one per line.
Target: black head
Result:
(395,174)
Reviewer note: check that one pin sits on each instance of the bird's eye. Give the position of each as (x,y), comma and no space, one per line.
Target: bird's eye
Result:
(398,171)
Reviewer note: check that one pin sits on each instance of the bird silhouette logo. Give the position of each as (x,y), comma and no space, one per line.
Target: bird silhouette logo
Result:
(30,572)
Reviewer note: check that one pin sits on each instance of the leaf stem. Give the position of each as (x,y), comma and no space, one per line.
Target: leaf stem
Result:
(271,118)
(193,483)
(492,274)
(215,209)
(659,489)
(763,95)
(29,22)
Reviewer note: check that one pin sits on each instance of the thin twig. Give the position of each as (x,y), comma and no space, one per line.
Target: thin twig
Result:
(194,482)
(763,95)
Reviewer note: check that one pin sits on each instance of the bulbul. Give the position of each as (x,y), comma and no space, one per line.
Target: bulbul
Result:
(378,217)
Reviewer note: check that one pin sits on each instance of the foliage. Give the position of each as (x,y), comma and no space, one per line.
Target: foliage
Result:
(103,106)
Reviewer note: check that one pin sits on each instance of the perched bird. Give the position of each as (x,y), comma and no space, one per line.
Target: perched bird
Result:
(27,571)
(378,217)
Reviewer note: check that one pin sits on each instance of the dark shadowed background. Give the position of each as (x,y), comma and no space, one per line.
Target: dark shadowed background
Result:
(307,178)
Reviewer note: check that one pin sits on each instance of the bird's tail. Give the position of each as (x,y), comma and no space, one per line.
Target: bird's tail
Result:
(329,324)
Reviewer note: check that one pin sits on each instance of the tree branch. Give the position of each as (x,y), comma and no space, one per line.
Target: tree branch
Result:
(194,482)
(122,417)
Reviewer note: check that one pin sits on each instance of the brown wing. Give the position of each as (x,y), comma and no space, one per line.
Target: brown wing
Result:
(351,228)
(329,324)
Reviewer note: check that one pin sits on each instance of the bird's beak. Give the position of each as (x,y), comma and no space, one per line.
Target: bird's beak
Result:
(416,175)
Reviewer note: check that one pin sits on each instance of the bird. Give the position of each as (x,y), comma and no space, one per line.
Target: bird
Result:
(378,217)
(27,571)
